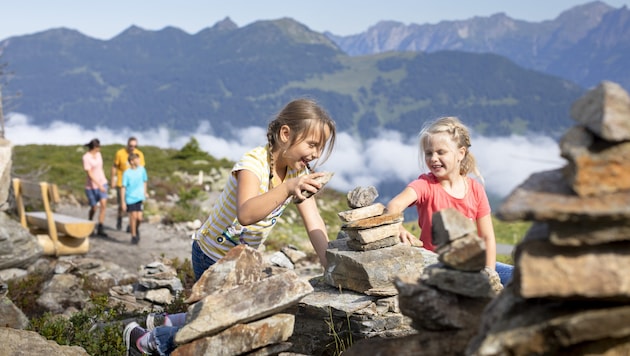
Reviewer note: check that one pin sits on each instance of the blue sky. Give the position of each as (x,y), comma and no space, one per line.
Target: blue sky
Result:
(105,19)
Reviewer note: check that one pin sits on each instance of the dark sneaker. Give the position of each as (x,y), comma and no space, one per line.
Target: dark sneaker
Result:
(119,223)
(133,332)
(154,320)
(135,240)
(100,231)
(128,228)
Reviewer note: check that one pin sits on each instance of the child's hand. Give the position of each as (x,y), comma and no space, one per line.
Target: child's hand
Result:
(305,186)
(407,238)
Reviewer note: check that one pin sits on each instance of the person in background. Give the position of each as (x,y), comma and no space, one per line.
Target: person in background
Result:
(445,145)
(121,163)
(134,191)
(95,184)
(262,184)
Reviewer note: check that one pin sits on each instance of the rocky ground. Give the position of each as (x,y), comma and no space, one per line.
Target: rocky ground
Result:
(156,240)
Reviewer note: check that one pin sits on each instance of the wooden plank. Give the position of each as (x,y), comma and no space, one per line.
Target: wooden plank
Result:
(68,225)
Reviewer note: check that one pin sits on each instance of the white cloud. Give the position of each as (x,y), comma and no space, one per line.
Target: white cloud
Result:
(504,162)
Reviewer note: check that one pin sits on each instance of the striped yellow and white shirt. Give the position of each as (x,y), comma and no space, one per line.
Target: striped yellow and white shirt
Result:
(221,231)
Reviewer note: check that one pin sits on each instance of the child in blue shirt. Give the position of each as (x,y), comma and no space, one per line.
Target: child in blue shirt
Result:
(134,191)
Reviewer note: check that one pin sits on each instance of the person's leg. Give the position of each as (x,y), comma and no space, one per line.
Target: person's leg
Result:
(504,271)
(92,202)
(133,222)
(103,209)
(101,214)
(200,261)
(139,217)
(120,211)
(164,319)
(140,341)
(163,337)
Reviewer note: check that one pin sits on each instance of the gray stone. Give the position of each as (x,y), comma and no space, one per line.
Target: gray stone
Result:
(22,342)
(605,110)
(371,272)
(595,166)
(242,304)
(386,242)
(545,270)
(361,197)
(361,213)
(468,284)
(449,225)
(546,196)
(374,234)
(18,248)
(467,253)
(241,338)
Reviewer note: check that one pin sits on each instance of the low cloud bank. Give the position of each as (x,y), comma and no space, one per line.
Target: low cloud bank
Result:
(504,162)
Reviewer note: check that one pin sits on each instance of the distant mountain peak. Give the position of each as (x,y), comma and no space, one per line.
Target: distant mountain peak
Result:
(225,25)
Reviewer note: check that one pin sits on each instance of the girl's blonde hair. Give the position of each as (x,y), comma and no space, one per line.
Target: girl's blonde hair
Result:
(303,116)
(460,135)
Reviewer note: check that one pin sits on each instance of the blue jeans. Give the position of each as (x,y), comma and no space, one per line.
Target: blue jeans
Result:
(164,339)
(200,261)
(504,271)
(164,336)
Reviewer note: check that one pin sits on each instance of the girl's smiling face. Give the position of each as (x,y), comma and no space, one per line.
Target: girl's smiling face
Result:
(442,156)
(306,148)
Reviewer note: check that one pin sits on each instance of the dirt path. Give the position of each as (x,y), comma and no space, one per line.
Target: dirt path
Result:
(156,240)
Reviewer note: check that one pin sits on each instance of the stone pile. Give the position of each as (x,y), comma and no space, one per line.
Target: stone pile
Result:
(157,285)
(241,305)
(356,298)
(570,292)
(447,301)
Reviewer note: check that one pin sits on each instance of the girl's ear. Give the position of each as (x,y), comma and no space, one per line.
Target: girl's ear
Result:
(285,134)
(462,153)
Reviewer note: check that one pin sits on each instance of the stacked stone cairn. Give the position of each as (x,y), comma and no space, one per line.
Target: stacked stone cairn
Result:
(446,302)
(241,305)
(570,293)
(356,297)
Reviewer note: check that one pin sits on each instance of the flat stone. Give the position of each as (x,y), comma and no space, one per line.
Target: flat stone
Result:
(371,272)
(374,221)
(386,242)
(545,270)
(595,166)
(546,196)
(361,213)
(366,236)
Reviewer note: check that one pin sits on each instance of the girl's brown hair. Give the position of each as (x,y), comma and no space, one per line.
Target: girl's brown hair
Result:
(303,116)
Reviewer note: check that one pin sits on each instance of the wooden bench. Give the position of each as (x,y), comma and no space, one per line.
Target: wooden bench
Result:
(57,234)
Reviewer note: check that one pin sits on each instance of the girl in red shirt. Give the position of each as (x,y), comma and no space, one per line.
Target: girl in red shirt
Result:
(445,144)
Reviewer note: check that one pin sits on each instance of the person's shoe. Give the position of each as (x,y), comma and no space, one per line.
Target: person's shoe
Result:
(155,319)
(135,240)
(100,231)
(133,332)
(119,223)
(128,228)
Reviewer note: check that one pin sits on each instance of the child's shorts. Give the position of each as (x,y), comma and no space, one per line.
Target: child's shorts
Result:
(134,207)
(96,195)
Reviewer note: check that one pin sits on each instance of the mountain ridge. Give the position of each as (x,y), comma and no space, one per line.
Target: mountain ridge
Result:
(548,46)
(235,77)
